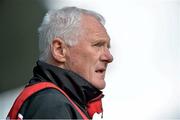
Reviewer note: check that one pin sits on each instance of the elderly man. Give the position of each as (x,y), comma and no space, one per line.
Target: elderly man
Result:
(74,54)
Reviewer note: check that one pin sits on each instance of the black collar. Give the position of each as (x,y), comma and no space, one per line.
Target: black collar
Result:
(74,85)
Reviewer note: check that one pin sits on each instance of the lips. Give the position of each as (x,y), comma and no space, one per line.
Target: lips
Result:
(100,70)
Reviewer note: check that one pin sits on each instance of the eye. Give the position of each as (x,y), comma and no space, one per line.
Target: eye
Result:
(99,44)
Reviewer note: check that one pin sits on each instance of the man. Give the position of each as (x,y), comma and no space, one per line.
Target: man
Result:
(74,54)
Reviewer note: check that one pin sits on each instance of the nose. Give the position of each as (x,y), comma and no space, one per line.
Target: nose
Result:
(106,56)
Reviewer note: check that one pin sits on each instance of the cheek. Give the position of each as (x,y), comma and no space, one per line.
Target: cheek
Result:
(84,65)
(78,62)
(83,62)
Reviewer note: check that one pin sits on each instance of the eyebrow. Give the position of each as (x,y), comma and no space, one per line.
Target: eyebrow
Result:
(102,41)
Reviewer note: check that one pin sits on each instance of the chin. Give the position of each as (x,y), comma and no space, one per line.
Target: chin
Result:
(101,86)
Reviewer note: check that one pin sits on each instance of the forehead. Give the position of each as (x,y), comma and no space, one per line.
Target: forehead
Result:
(93,28)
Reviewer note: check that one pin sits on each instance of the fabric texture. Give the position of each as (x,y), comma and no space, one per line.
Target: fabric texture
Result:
(51,104)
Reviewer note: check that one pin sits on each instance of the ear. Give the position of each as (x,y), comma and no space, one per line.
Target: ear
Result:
(58,50)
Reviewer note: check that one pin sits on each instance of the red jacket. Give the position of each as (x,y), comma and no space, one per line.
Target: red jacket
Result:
(58,94)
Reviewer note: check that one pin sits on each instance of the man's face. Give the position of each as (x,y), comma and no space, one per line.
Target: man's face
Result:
(90,56)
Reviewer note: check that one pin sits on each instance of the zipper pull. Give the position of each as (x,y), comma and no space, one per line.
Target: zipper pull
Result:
(102,115)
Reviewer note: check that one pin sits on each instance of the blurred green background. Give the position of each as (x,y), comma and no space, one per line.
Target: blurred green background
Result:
(19,20)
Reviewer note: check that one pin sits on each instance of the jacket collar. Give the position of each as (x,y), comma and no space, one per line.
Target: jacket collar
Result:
(79,89)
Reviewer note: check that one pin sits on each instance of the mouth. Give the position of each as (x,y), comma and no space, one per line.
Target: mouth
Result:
(100,70)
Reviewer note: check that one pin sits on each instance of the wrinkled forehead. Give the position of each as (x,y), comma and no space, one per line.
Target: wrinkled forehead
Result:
(87,20)
(91,26)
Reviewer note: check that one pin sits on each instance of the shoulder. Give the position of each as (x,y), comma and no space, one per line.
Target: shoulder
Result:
(47,103)
(49,95)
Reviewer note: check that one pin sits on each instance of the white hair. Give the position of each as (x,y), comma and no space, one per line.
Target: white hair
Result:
(63,23)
